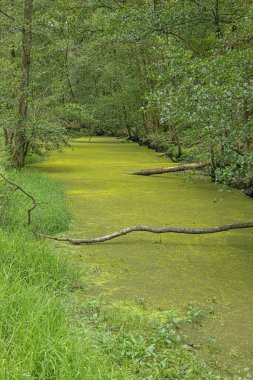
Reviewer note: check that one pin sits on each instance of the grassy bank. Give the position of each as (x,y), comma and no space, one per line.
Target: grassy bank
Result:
(49,330)
(36,338)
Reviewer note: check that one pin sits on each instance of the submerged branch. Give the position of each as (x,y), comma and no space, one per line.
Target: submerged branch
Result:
(155,230)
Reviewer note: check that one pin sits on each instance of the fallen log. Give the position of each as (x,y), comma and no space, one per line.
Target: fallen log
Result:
(155,230)
(172,169)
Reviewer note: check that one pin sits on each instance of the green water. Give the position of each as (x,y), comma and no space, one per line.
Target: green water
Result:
(168,271)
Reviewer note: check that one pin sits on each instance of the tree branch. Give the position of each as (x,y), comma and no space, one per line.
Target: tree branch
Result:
(155,230)
(34,202)
(6,15)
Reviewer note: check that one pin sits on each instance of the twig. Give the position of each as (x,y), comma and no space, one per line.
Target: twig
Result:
(17,187)
(6,15)
(155,230)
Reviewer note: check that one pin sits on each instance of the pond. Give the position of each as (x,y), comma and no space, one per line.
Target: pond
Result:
(160,271)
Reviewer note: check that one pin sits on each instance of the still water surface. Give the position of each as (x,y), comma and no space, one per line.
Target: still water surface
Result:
(168,271)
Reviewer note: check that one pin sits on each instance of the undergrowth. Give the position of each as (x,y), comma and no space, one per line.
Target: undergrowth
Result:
(152,346)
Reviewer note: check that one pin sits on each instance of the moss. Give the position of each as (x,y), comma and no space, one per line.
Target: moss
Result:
(166,271)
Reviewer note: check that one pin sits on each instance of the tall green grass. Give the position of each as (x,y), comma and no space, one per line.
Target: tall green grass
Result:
(51,214)
(37,340)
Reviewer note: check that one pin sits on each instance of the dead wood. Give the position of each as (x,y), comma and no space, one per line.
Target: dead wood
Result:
(155,230)
(172,169)
(17,187)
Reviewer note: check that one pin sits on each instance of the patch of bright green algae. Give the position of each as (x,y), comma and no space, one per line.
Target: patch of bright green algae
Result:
(160,271)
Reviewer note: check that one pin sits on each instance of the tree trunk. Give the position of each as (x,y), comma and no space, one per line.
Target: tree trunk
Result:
(213,166)
(217,20)
(173,169)
(20,143)
(130,131)
(177,141)
(145,120)
(154,4)
(156,123)
(8,137)
(67,73)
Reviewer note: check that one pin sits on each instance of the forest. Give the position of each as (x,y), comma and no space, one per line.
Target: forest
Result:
(92,92)
(173,75)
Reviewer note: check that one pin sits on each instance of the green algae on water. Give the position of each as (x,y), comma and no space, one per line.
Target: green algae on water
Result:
(167,271)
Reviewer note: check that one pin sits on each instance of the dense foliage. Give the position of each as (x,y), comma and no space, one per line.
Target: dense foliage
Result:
(175,75)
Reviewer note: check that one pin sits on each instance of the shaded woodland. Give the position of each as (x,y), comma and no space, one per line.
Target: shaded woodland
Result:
(174,75)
